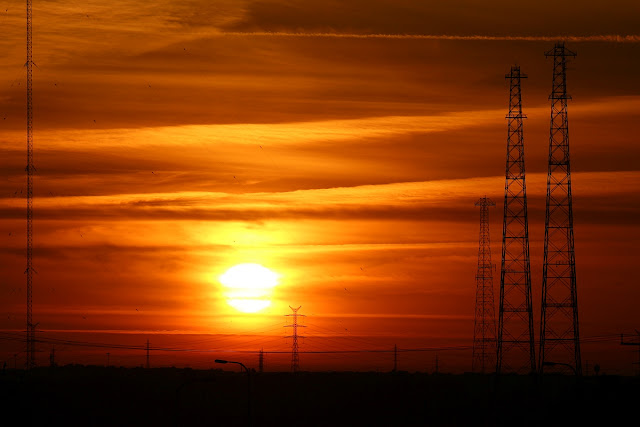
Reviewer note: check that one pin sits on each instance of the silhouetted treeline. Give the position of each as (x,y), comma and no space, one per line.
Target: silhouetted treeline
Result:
(95,396)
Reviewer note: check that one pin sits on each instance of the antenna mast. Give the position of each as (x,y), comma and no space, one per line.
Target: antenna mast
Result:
(559,327)
(484,333)
(31,338)
(516,351)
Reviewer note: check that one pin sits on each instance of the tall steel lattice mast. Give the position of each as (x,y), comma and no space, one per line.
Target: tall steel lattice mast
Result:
(484,333)
(559,329)
(31,334)
(516,352)
(295,358)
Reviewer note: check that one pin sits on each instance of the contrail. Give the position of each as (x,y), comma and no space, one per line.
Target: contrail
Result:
(612,38)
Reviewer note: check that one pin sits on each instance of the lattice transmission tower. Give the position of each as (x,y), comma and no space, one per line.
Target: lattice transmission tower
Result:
(559,329)
(148,355)
(516,352)
(30,169)
(484,331)
(295,358)
(636,343)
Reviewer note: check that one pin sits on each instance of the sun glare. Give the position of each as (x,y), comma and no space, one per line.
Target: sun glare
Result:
(249,287)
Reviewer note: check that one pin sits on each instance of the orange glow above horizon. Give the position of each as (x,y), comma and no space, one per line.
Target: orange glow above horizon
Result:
(202,166)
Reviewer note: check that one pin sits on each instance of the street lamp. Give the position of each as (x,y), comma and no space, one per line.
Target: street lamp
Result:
(231,361)
(248,385)
(562,364)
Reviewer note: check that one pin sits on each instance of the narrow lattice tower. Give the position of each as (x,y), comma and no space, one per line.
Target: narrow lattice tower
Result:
(148,355)
(516,352)
(261,361)
(559,331)
(295,358)
(484,333)
(395,358)
(31,333)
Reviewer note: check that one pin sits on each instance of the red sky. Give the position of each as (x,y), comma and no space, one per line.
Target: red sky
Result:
(341,144)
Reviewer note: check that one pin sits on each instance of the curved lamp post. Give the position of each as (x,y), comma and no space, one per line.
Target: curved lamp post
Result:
(561,364)
(248,385)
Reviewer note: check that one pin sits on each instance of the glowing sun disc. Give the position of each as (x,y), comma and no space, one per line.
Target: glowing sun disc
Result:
(249,276)
(249,305)
(249,287)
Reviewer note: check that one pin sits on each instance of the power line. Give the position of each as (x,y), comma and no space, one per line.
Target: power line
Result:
(17,337)
(276,364)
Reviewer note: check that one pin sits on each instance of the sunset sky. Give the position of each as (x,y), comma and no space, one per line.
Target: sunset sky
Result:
(341,144)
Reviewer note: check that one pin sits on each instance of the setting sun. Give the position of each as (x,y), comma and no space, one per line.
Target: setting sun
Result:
(249,287)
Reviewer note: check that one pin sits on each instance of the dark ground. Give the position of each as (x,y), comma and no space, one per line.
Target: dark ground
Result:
(88,396)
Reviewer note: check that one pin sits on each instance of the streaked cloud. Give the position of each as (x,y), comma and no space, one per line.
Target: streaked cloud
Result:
(614,38)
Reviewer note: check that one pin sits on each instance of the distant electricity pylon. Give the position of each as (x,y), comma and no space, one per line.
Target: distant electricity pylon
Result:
(395,358)
(148,355)
(261,361)
(516,352)
(484,333)
(31,328)
(559,327)
(637,344)
(295,359)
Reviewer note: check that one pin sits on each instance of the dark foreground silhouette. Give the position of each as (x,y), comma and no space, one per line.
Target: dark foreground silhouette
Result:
(92,396)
